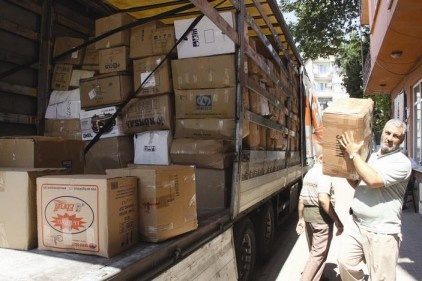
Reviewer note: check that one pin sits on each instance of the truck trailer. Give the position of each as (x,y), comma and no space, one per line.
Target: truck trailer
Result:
(275,122)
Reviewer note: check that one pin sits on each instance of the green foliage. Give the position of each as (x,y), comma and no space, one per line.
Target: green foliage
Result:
(381,112)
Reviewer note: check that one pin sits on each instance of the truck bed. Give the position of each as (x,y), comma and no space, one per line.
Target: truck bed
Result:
(142,261)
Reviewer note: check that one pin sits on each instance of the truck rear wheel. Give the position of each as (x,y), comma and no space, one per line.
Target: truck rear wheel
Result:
(244,241)
(264,227)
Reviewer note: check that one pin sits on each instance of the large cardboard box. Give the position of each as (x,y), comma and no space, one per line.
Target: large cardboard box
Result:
(204,72)
(163,40)
(212,188)
(167,201)
(114,59)
(205,103)
(109,153)
(106,24)
(64,44)
(207,128)
(152,147)
(64,105)
(345,115)
(78,74)
(90,56)
(65,128)
(18,211)
(214,154)
(141,39)
(92,121)
(159,82)
(105,89)
(62,74)
(148,114)
(87,214)
(206,39)
(42,152)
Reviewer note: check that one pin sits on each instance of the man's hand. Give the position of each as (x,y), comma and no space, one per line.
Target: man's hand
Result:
(349,144)
(340,227)
(300,227)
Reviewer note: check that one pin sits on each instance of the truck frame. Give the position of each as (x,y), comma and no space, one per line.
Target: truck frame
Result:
(265,184)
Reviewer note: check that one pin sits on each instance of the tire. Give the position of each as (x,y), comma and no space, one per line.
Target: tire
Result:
(265,228)
(244,242)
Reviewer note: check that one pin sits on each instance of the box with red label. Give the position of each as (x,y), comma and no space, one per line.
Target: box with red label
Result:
(87,214)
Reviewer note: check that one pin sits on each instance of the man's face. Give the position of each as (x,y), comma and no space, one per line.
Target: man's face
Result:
(391,138)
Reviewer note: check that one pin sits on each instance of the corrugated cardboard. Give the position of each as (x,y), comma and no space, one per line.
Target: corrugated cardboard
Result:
(105,89)
(148,114)
(205,39)
(212,188)
(66,43)
(90,56)
(78,74)
(62,74)
(215,154)
(42,152)
(345,115)
(163,40)
(206,103)
(141,39)
(87,214)
(114,59)
(18,211)
(106,24)
(167,201)
(64,105)
(65,128)
(208,128)
(160,80)
(109,153)
(152,147)
(204,73)
(92,121)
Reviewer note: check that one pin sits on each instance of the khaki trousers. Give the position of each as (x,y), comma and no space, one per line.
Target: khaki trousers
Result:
(379,251)
(319,238)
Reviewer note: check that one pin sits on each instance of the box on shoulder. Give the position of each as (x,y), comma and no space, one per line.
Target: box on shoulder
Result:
(105,89)
(149,113)
(64,44)
(18,211)
(94,120)
(154,81)
(107,24)
(204,72)
(167,199)
(346,115)
(114,60)
(42,152)
(109,153)
(87,214)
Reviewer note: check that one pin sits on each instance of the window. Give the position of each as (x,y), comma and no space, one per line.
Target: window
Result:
(323,68)
(417,122)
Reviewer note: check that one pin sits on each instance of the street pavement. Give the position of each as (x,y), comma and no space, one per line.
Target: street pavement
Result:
(292,251)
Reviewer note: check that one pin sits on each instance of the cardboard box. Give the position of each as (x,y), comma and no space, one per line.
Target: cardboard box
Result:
(42,152)
(206,39)
(18,211)
(141,39)
(62,74)
(92,121)
(345,115)
(208,128)
(65,43)
(90,56)
(106,24)
(206,103)
(163,40)
(212,188)
(159,82)
(87,214)
(204,73)
(78,74)
(152,147)
(114,59)
(64,105)
(215,154)
(148,114)
(65,128)
(167,201)
(105,89)
(109,153)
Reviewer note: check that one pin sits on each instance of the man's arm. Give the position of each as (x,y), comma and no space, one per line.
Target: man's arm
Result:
(301,223)
(325,203)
